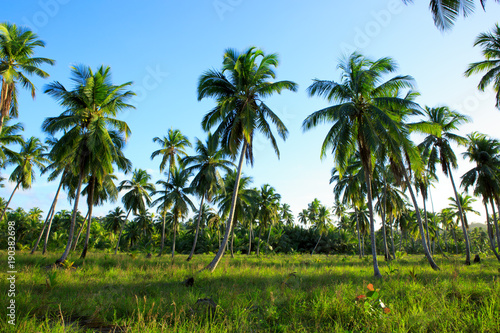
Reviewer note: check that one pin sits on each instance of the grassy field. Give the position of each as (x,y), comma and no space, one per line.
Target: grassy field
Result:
(278,293)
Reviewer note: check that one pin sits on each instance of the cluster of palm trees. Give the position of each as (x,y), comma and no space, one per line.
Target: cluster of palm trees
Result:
(372,119)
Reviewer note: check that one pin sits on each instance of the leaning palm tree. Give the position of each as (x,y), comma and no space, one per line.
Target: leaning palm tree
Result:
(172,147)
(445,13)
(17,46)
(207,180)
(490,43)
(360,119)
(240,112)
(137,199)
(92,134)
(30,157)
(436,148)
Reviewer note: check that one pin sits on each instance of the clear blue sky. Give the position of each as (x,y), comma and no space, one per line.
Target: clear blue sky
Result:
(164,46)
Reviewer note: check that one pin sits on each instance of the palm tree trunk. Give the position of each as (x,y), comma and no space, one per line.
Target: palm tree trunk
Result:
(320,235)
(258,242)
(376,271)
(392,239)
(75,243)
(163,233)
(455,239)
(8,202)
(73,220)
(357,229)
(426,222)
(89,213)
(495,222)
(46,221)
(175,232)
(52,216)
(250,238)
(213,264)
(386,248)
(235,220)
(464,229)
(420,226)
(197,228)
(268,237)
(490,232)
(121,231)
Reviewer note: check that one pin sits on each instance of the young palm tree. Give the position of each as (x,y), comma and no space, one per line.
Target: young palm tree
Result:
(137,199)
(360,120)
(172,147)
(490,43)
(93,137)
(465,202)
(323,221)
(30,157)
(207,180)
(240,112)
(445,13)
(268,202)
(436,148)
(17,46)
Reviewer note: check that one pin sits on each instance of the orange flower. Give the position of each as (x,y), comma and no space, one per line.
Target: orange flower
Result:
(370,287)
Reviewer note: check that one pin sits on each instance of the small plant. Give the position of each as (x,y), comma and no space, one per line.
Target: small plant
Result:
(413,274)
(51,281)
(391,270)
(372,304)
(68,265)
(400,254)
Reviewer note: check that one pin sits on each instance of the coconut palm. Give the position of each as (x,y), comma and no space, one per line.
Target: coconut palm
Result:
(485,176)
(172,147)
(268,202)
(303,217)
(30,157)
(445,13)
(9,135)
(207,180)
(240,112)
(465,202)
(163,206)
(490,43)
(114,219)
(360,121)
(17,47)
(436,148)
(323,222)
(137,199)
(286,214)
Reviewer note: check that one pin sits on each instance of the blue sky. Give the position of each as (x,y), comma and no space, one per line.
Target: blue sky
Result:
(164,46)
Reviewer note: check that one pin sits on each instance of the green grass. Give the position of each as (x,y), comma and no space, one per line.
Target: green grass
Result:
(135,294)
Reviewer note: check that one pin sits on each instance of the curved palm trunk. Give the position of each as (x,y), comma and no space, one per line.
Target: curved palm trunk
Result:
(235,220)
(464,229)
(357,229)
(320,235)
(163,233)
(490,233)
(426,221)
(213,264)
(121,230)
(250,238)
(376,271)
(8,202)
(73,220)
(5,102)
(197,228)
(85,222)
(43,229)
(87,236)
(52,216)
(420,226)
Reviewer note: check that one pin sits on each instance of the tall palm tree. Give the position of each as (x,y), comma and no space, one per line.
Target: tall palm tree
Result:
(92,134)
(323,221)
(268,202)
(286,214)
(490,43)
(30,157)
(445,13)
(172,147)
(178,191)
(465,202)
(17,47)
(240,112)
(436,148)
(137,199)
(485,176)
(303,217)
(207,180)
(163,206)
(114,219)
(360,120)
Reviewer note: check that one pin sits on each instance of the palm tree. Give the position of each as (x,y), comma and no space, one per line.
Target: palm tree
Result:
(268,202)
(286,214)
(207,180)
(9,135)
(323,221)
(30,157)
(485,176)
(17,47)
(465,202)
(445,13)
(436,148)
(163,207)
(178,190)
(172,146)
(240,111)
(360,120)
(303,217)
(92,134)
(114,219)
(137,198)
(490,43)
